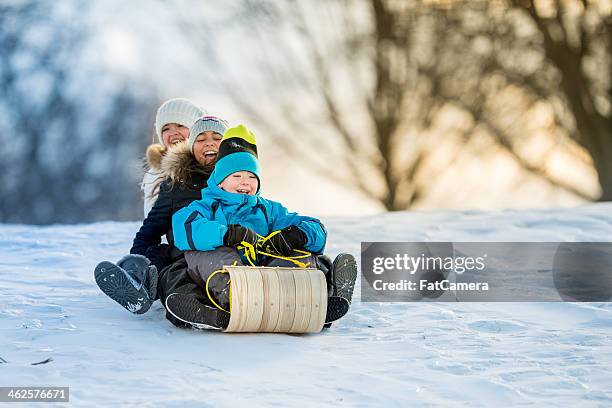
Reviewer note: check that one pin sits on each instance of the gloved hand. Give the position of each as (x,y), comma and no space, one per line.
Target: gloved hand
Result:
(287,240)
(236,233)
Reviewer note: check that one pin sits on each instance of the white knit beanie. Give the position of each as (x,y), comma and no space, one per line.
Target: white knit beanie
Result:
(177,110)
(203,124)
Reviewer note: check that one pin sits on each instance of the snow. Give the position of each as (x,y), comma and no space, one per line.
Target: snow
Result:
(396,354)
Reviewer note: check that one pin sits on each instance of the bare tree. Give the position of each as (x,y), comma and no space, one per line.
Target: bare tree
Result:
(401,65)
(575,38)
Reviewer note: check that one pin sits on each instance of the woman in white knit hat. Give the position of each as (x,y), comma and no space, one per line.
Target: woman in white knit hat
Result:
(153,269)
(172,122)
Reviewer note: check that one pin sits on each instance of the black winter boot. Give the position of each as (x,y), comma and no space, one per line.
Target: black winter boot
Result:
(337,307)
(190,310)
(142,271)
(120,286)
(344,275)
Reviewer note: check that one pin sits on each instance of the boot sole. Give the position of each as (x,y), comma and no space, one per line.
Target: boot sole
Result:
(191,311)
(337,307)
(345,275)
(114,282)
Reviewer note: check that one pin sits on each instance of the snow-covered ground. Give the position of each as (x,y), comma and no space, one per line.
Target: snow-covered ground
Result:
(391,354)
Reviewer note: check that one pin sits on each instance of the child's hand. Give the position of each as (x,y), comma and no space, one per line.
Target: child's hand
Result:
(237,233)
(287,240)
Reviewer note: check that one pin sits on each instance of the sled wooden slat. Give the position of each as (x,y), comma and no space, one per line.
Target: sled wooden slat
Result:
(286,313)
(277,299)
(303,301)
(271,302)
(254,300)
(319,303)
(237,302)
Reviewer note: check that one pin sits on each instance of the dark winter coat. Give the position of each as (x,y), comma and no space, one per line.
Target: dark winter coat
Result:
(185,178)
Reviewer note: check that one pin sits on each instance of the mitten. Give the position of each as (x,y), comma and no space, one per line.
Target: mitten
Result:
(237,233)
(287,240)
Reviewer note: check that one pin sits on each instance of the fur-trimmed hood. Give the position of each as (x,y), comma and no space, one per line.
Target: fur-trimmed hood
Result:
(180,165)
(154,155)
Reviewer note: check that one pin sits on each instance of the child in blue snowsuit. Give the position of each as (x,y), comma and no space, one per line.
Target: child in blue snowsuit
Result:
(231,217)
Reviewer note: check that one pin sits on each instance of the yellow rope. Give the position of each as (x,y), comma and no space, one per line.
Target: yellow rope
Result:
(264,239)
(292,259)
(208,292)
(266,251)
(251,251)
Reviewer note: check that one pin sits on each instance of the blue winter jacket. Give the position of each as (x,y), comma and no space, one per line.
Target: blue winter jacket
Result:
(203,223)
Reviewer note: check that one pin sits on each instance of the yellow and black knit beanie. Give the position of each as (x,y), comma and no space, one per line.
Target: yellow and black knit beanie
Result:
(237,152)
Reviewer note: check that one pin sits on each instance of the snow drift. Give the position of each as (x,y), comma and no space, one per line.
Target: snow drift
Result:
(397,354)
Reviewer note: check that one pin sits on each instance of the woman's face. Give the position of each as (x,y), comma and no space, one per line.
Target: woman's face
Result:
(240,182)
(206,147)
(173,133)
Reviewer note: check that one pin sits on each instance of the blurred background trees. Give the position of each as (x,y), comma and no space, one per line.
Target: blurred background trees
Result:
(71,132)
(404,90)
(409,104)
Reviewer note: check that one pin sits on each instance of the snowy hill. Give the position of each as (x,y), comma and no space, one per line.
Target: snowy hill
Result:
(396,354)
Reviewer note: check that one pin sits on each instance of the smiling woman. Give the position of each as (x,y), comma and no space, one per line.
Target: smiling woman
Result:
(173,133)
(172,122)
(204,138)
(154,270)
(206,146)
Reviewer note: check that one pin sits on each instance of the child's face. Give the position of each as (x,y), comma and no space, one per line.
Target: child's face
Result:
(241,182)
(173,133)
(206,147)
